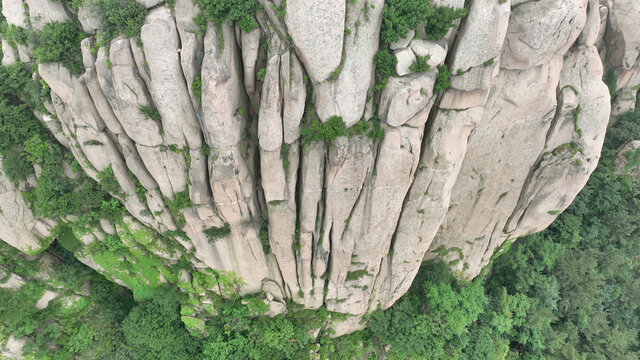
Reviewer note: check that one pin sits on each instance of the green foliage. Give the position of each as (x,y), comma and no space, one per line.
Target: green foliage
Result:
(432,318)
(215,233)
(15,35)
(312,130)
(141,191)
(196,87)
(239,12)
(87,327)
(124,17)
(261,74)
(443,80)
(385,66)
(16,117)
(24,142)
(401,16)
(233,335)
(60,42)
(577,275)
(264,238)
(440,20)
(376,133)
(68,240)
(420,64)
(16,165)
(18,88)
(284,156)
(109,183)
(112,243)
(318,131)
(575,113)
(355,275)
(154,331)
(150,112)
(181,200)
(611,79)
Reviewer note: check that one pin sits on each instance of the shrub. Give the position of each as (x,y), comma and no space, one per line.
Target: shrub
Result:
(313,130)
(215,233)
(376,133)
(355,275)
(611,79)
(284,156)
(150,112)
(113,243)
(18,87)
(60,42)
(239,12)
(109,183)
(154,331)
(327,132)
(196,87)
(16,166)
(443,80)
(401,16)
(488,62)
(124,17)
(15,35)
(180,201)
(440,20)
(420,64)
(261,74)
(385,63)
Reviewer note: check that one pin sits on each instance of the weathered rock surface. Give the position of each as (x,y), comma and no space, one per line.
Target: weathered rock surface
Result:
(19,228)
(495,156)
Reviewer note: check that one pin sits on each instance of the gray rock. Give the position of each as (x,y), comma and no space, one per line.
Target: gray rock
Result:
(404,42)
(622,38)
(270,134)
(13,11)
(19,227)
(9,55)
(346,96)
(89,18)
(405,58)
(404,97)
(149,3)
(127,93)
(539,30)
(436,53)
(168,88)
(317,33)
(480,37)
(294,96)
(42,12)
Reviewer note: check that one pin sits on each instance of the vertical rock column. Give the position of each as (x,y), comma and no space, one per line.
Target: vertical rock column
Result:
(444,147)
(225,119)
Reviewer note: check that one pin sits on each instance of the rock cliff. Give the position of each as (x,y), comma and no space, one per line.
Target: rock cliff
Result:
(279,154)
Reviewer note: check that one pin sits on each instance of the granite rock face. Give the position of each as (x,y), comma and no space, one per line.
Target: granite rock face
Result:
(495,156)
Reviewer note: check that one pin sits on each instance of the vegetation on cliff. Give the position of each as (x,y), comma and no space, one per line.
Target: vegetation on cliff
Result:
(567,292)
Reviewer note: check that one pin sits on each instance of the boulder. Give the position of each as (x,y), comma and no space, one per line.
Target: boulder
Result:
(316,30)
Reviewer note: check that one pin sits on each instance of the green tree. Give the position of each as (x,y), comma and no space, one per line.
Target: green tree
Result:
(154,331)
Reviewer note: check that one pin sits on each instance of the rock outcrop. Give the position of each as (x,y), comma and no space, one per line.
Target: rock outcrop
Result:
(496,155)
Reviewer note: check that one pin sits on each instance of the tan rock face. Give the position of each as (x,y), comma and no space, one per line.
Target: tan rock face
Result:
(495,156)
